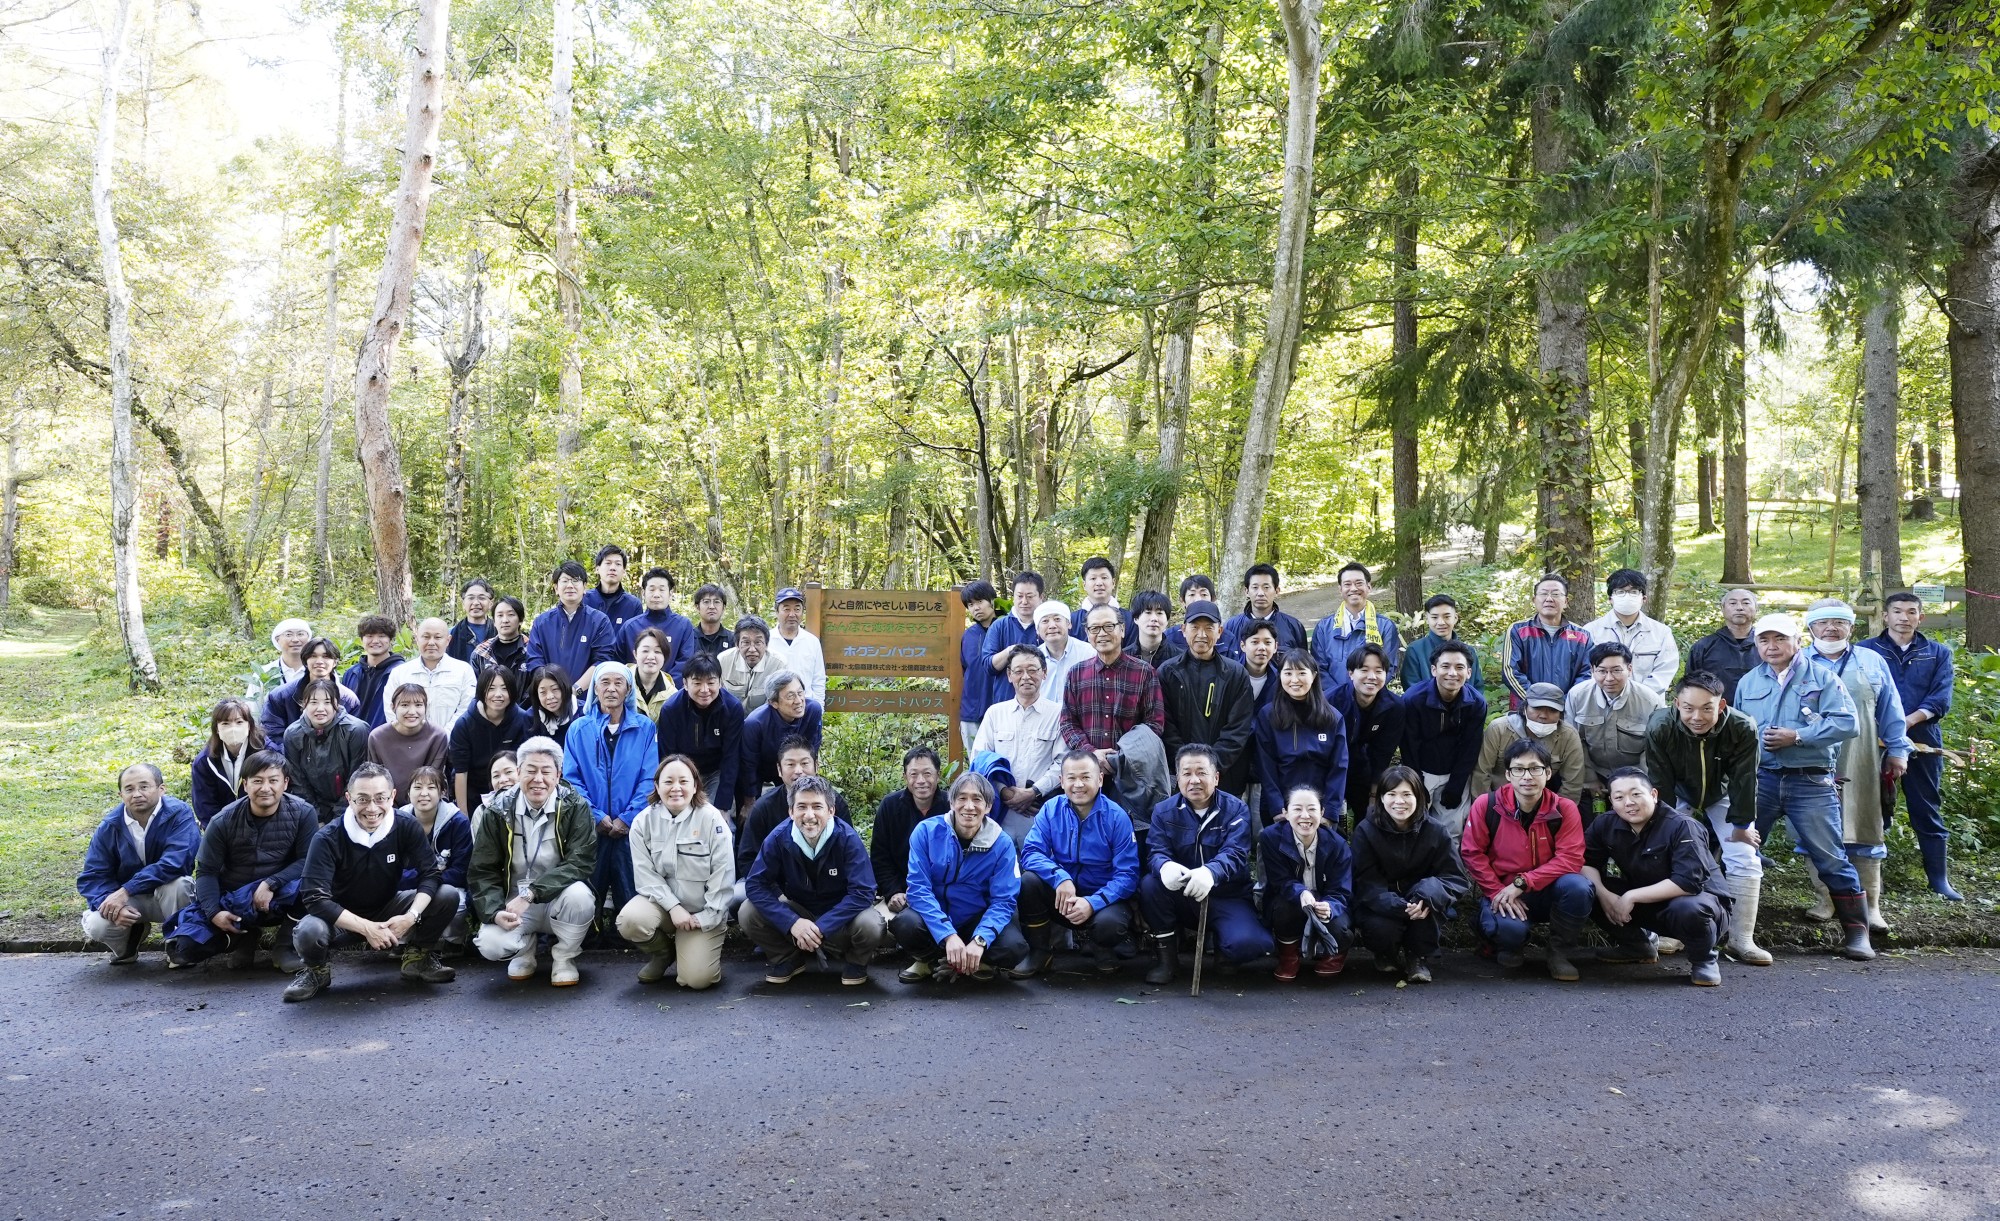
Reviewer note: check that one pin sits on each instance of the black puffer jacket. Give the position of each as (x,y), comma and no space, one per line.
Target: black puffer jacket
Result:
(1210,701)
(1392,867)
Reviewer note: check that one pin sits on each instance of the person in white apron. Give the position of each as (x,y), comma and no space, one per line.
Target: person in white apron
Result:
(1878,753)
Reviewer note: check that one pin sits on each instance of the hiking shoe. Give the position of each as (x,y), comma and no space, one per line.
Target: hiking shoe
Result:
(1419,972)
(308,983)
(423,967)
(853,973)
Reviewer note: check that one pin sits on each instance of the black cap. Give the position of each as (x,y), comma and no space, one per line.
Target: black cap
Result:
(1202,609)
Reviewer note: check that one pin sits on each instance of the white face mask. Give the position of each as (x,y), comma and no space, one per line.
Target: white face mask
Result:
(1627,603)
(1831,648)
(1542,729)
(233,734)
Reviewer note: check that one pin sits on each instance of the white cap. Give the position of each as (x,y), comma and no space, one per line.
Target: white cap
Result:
(1784,625)
(1051,607)
(289,625)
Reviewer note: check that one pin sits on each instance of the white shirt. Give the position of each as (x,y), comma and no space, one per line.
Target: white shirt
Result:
(1030,738)
(449,687)
(1655,656)
(1074,655)
(803,656)
(138,833)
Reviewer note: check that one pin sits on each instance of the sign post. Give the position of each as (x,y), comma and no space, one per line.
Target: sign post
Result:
(892,633)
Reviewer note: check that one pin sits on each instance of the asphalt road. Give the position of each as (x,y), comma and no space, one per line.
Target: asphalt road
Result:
(1815,1088)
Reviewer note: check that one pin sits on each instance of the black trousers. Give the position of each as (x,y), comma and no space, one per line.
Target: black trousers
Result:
(1106,928)
(1287,921)
(1698,921)
(1384,935)
(910,932)
(314,938)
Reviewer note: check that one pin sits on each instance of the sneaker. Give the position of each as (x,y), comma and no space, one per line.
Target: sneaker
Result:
(1419,972)
(423,967)
(308,983)
(853,974)
(784,970)
(180,953)
(917,972)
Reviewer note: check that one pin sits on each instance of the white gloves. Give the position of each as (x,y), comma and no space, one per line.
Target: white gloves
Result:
(1199,883)
(1173,875)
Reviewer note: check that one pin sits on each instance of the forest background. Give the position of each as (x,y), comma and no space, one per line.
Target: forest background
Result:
(318,307)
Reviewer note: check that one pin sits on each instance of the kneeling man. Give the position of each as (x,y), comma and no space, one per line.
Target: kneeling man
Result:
(353,888)
(532,856)
(1666,880)
(963,887)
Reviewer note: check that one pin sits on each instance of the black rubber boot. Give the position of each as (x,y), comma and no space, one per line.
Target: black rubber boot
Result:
(1936,873)
(1169,960)
(1041,952)
(1564,933)
(1853,913)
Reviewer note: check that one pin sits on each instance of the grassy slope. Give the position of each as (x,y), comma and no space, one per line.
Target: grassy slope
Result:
(1792,552)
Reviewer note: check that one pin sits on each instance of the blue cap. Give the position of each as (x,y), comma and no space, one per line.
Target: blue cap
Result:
(788,594)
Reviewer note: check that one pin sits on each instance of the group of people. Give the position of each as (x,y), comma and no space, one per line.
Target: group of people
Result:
(614,770)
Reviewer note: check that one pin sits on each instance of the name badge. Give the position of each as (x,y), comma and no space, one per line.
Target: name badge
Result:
(1322,737)
(391,858)
(833,873)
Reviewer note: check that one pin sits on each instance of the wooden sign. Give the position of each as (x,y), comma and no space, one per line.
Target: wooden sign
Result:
(891,633)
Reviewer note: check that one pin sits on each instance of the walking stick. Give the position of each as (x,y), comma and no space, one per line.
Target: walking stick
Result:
(1200,946)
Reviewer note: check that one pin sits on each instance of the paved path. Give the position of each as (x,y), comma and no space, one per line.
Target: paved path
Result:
(1811,1089)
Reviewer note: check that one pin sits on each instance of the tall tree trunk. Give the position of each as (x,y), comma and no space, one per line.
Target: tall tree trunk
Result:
(253,519)
(1562,307)
(718,553)
(1735,449)
(1023,548)
(1704,495)
(1972,303)
(118,306)
(460,364)
(1878,491)
(1304,55)
(379,461)
(1404,476)
(569,284)
(11,480)
(1156,532)
(899,526)
(329,396)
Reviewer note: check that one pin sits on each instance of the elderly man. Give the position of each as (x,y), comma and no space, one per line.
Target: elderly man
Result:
(1539,719)
(1198,850)
(1923,671)
(352,889)
(247,873)
(1730,651)
(1354,624)
(747,666)
(1805,717)
(1651,872)
(1523,850)
(1610,711)
(1546,648)
(1027,732)
(1080,862)
(446,679)
(610,756)
(964,883)
(1209,700)
(1702,755)
(797,649)
(1654,657)
(1062,651)
(1875,758)
(811,891)
(787,712)
(572,634)
(533,849)
(135,871)
(1112,706)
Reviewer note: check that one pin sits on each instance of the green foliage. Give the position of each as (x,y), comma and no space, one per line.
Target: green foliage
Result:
(1972,731)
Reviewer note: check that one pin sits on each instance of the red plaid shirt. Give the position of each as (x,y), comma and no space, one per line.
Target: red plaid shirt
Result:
(1101,703)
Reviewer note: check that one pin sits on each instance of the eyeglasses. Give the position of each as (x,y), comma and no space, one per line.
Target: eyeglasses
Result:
(1102,629)
(1525,772)
(359,799)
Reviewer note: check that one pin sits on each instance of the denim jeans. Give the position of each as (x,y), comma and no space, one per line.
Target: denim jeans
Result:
(1569,894)
(1811,805)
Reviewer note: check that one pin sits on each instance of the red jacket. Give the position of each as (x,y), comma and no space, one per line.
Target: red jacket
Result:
(1541,849)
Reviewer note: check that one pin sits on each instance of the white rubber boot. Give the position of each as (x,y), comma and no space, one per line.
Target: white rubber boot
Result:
(1870,870)
(1747,893)
(1822,910)
(562,958)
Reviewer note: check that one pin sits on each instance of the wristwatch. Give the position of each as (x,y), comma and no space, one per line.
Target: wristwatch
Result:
(979,941)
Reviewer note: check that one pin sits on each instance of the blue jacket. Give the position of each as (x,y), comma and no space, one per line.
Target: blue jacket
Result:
(953,882)
(1098,853)
(281,708)
(1318,757)
(711,736)
(1291,633)
(1284,869)
(1924,674)
(467,636)
(367,683)
(208,791)
(762,731)
(1536,655)
(451,839)
(618,608)
(1221,841)
(1815,703)
(617,780)
(1441,739)
(834,887)
(678,629)
(973,693)
(574,642)
(111,862)
(1332,642)
(1003,634)
(1373,737)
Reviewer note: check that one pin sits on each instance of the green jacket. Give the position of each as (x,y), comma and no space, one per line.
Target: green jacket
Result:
(1702,770)
(490,876)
